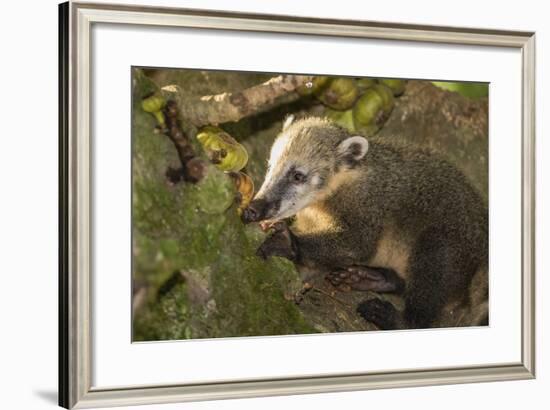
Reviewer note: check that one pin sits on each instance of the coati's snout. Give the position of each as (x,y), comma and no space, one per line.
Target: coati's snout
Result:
(258,210)
(254,211)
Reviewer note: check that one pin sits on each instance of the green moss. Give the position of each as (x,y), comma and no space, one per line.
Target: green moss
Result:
(470,90)
(195,229)
(169,319)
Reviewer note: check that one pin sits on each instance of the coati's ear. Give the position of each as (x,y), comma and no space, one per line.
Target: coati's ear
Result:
(353,149)
(288,120)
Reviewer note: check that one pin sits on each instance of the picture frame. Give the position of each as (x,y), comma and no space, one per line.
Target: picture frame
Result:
(76,351)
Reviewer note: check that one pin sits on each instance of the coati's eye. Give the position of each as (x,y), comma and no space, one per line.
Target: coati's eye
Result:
(298,177)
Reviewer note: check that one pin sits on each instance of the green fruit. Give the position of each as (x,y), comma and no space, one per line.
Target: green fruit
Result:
(339,94)
(364,83)
(222,149)
(342,118)
(313,86)
(368,112)
(387,97)
(397,86)
(154,105)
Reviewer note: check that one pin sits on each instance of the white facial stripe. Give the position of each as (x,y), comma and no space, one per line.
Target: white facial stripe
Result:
(315,180)
(288,121)
(277,151)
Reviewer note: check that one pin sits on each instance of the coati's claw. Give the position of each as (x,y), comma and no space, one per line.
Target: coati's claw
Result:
(364,278)
(379,312)
(340,279)
(265,226)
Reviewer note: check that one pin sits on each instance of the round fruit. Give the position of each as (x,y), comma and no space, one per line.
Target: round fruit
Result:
(245,189)
(397,86)
(368,112)
(339,94)
(313,86)
(154,105)
(222,149)
(342,118)
(387,97)
(364,83)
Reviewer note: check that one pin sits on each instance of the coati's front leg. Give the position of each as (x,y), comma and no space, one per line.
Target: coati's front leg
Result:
(281,242)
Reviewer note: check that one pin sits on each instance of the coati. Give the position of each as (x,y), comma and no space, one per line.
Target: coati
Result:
(377,216)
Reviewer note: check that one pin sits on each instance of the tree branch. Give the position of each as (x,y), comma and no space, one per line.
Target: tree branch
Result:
(231,107)
(446,121)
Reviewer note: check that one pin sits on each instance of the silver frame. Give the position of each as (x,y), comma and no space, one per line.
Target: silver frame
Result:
(76,20)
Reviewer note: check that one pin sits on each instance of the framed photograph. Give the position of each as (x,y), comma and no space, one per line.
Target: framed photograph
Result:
(256,205)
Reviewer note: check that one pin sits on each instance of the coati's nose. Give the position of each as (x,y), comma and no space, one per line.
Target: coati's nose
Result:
(255,211)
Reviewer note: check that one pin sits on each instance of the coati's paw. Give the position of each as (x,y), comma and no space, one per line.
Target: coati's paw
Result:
(280,243)
(343,280)
(379,312)
(365,278)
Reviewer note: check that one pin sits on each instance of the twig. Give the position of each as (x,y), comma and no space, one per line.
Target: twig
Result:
(319,290)
(226,107)
(192,167)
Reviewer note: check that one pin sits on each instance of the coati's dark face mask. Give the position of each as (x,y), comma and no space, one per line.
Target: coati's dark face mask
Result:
(286,190)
